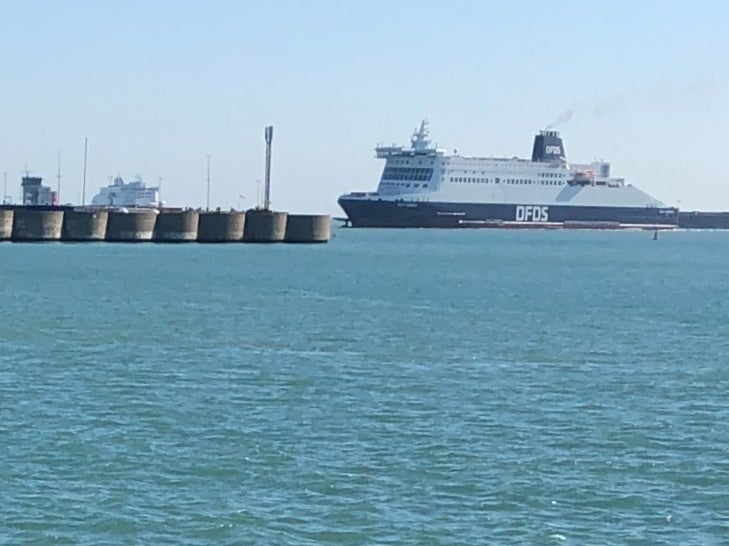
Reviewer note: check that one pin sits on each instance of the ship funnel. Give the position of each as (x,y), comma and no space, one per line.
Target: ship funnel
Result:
(548,147)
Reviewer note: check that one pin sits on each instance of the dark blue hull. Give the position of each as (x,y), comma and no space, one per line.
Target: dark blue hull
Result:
(403,214)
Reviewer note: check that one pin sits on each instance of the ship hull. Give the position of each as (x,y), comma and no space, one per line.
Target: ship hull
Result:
(404,214)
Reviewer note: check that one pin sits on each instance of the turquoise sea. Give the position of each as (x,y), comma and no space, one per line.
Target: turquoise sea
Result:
(392,387)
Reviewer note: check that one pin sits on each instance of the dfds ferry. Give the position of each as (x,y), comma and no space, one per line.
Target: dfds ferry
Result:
(423,186)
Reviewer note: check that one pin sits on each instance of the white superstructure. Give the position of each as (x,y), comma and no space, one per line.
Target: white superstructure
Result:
(127,194)
(423,186)
(425,173)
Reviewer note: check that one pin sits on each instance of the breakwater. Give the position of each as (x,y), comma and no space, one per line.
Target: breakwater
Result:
(70,224)
(703,220)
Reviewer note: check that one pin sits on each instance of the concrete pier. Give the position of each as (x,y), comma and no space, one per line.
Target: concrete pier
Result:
(220,227)
(176,226)
(308,228)
(31,224)
(6,224)
(264,226)
(130,226)
(84,225)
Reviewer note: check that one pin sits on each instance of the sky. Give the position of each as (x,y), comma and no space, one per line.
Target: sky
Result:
(158,86)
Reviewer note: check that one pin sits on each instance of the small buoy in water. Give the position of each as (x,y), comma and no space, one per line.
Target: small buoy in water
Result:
(655,235)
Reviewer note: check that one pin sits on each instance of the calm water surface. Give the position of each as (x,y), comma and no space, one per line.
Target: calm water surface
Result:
(392,387)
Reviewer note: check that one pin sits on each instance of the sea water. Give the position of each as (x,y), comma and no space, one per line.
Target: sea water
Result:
(391,387)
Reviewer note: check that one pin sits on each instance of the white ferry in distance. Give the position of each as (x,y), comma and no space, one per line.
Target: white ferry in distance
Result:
(422,186)
(127,194)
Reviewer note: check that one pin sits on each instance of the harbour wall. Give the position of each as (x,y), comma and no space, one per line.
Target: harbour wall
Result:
(308,228)
(37,225)
(176,227)
(69,224)
(265,226)
(130,227)
(703,220)
(84,225)
(6,224)
(220,227)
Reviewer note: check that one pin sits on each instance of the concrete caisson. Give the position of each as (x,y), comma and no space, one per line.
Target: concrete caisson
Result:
(176,226)
(130,226)
(6,224)
(84,225)
(220,227)
(308,228)
(264,226)
(31,224)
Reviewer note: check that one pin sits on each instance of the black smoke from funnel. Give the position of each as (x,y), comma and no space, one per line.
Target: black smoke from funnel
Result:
(564,117)
(671,93)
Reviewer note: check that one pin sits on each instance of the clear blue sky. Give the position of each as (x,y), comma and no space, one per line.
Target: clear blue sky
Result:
(158,85)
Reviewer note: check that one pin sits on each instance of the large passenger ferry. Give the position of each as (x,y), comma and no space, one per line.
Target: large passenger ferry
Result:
(127,194)
(423,186)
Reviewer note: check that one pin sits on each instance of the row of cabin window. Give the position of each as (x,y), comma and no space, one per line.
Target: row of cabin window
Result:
(405,161)
(405,184)
(543,175)
(406,173)
(468,180)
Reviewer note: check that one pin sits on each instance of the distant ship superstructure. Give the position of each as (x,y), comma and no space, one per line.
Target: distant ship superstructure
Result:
(127,194)
(422,186)
(35,193)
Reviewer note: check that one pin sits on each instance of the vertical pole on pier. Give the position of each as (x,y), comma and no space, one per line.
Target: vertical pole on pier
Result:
(5,186)
(83,191)
(207,201)
(58,178)
(267,180)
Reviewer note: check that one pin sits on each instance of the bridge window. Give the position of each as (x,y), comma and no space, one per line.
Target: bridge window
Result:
(407,173)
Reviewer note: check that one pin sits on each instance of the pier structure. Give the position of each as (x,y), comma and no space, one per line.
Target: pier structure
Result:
(6,224)
(41,218)
(176,226)
(41,224)
(131,227)
(19,223)
(221,227)
(84,225)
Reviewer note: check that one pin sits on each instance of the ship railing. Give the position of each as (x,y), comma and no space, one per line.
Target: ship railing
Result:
(361,194)
(387,151)
(383,153)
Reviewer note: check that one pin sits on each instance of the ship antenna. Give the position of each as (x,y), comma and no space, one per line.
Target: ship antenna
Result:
(420,137)
(83,191)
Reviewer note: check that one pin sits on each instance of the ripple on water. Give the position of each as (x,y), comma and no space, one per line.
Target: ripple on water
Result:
(410,388)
